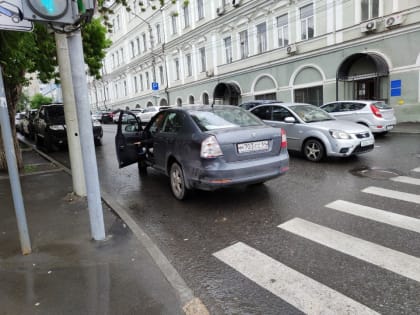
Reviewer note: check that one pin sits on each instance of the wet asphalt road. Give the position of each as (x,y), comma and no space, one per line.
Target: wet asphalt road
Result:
(190,232)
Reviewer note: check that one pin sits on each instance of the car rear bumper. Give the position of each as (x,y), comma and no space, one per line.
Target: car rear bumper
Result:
(383,125)
(97,132)
(218,174)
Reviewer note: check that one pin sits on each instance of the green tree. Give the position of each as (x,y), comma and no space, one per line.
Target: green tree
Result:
(40,99)
(35,52)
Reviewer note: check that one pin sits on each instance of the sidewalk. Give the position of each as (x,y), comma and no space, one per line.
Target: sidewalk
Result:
(67,272)
(407,127)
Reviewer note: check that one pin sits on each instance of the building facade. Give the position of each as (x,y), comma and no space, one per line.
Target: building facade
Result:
(232,51)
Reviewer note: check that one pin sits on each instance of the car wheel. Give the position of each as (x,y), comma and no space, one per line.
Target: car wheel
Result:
(142,168)
(177,179)
(313,150)
(37,144)
(98,142)
(48,143)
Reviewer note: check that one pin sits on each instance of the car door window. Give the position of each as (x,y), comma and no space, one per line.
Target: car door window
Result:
(262,112)
(173,123)
(331,108)
(280,113)
(157,123)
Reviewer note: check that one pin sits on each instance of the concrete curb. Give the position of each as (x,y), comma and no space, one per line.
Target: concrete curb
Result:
(191,305)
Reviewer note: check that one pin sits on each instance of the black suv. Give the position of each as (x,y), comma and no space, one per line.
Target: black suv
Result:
(50,129)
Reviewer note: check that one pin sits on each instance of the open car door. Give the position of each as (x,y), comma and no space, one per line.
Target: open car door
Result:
(127,139)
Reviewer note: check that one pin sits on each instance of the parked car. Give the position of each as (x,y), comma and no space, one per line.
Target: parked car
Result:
(27,123)
(149,112)
(50,129)
(18,118)
(204,147)
(314,132)
(252,104)
(377,115)
(104,117)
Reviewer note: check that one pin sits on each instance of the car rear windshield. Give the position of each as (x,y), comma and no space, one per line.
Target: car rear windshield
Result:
(222,118)
(56,113)
(382,105)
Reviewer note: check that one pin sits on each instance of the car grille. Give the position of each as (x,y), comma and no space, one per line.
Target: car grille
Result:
(360,149)
(362,135)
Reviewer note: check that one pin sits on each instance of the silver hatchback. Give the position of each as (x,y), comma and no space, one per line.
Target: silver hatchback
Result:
(377,115)
(314,132)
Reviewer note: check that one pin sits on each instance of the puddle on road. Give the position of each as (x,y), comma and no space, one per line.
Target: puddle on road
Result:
(375,172)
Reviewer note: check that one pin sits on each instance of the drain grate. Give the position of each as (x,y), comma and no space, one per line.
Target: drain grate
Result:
(375,172)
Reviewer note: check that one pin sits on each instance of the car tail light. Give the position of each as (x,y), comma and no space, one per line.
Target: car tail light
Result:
(283,139)
(375,111)
(210,148)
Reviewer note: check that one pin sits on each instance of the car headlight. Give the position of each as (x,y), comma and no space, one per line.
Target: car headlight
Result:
(57,127)
(96,123)
(339,134)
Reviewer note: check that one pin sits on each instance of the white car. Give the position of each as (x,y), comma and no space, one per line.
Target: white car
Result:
(149,112)
(377,115)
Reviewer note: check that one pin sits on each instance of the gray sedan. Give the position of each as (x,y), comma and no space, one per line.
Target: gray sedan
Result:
(314,132)
(204,147)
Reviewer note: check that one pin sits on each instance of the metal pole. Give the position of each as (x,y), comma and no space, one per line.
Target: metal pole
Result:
(9,149)
(86,135)
(72,125)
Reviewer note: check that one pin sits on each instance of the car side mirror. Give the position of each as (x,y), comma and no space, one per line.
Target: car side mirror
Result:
(290,120)
(132,127)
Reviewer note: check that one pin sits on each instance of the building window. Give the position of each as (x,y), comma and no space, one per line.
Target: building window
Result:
(125,88)
(188,61)
(228,49)
(174,25)
(116,90)
(162,77)
(143,36)
(243,44)
(141,83)
(122,55)
(136,88)
(262,37)
(307,21)
(138,45)
(200,9)
(203,62)
(186,10)
(158,35)
(113,61)
(132,50)
(147,81)
(312,95)
(176,63)
(370,9)
(118,26)
(283,30)
(117,57)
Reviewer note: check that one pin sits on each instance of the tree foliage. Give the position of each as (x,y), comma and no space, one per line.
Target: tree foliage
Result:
(23,53)
(39,99)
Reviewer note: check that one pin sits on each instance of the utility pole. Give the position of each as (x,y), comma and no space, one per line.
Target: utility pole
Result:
(86,135)
(9,149)
(72,125)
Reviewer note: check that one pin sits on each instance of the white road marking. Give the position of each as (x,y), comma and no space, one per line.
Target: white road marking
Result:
(398,262)
(406,180)
(375,214)
(417,169)
(392,194)
(304,293)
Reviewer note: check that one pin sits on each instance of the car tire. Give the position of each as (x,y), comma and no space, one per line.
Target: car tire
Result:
(98,142)
(313,150)
(177,180)
(36,139)
(142,166)
(48,143)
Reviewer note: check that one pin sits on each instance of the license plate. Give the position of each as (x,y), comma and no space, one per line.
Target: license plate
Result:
(252,146)
(389,127)
(365,143)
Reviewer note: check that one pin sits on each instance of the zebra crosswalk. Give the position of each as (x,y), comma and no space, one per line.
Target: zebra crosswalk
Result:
(311,296)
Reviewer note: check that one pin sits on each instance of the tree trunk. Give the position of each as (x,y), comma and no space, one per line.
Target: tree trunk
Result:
(12,96)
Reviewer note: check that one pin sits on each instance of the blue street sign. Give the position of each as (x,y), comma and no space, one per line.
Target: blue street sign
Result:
(155,86)
(396,86)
